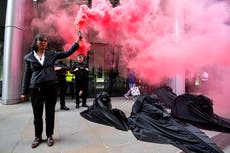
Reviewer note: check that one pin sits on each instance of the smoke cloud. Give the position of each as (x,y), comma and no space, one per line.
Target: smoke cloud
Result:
(57,21)
(161,39)
(158,38)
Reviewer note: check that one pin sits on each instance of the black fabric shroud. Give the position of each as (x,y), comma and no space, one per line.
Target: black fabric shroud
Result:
(198,110)
(101,112)
(150,122)
(166,96)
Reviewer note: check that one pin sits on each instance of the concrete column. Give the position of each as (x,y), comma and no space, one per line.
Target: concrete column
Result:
(13,53)
(178,82)
(175,10)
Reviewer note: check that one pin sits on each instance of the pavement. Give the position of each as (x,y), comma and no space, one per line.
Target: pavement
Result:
(74,134)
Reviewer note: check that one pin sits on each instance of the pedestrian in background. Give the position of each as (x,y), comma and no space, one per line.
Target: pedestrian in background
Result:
(131,84)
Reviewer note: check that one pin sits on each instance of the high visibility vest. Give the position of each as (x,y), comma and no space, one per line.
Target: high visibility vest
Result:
(69,77)
(197,81)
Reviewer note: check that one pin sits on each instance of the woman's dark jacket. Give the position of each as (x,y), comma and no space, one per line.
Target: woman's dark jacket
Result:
(36,74)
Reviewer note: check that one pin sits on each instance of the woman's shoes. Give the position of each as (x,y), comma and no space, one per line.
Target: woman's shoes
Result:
(50,141)
(126,96)
(36,142)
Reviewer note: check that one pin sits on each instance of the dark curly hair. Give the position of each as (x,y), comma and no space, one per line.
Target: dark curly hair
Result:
(34,46)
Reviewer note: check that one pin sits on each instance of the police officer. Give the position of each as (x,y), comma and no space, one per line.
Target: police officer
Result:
(81,71)
(61,69)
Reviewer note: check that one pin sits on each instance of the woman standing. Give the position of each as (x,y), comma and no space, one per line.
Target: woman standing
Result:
(41,81)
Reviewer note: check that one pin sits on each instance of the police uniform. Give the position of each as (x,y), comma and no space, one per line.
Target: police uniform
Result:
(81,72)
(61,73)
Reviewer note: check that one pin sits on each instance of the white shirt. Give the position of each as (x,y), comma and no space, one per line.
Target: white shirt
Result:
(41,60)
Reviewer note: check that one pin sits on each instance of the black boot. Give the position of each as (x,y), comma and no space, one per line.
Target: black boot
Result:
(84,105)
(64,108)
(77,105)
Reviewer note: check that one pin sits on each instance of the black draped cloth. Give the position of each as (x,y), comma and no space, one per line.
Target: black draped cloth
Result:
(166,96)
(149,121)
(198,110)
(194,109)
(101,112)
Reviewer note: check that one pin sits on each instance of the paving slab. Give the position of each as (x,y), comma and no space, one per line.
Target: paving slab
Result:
(74,134)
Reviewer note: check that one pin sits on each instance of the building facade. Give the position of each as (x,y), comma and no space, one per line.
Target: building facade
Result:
(103,59)
(15,19)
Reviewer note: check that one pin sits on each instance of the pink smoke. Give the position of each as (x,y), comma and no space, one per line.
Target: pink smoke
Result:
(58,21)
(150,35)
(153,44)
(144,27)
